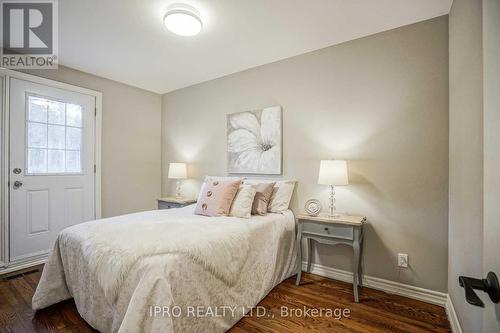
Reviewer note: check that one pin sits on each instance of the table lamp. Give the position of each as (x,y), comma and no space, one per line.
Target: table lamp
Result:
(333,173)
(177,171)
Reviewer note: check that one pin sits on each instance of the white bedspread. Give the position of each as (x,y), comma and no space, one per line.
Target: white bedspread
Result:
(120,270)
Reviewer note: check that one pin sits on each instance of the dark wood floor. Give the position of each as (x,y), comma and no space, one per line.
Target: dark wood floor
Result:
(377,311)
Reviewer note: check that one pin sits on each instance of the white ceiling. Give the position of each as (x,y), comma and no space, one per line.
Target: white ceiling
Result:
(125,40)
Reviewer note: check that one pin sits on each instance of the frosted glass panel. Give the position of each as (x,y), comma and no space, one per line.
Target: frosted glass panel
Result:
(56,160)
(37,109)
(56,136)
(37,135)
(57,113)
(73,138)
(73,163)
(37,160)
(74,115)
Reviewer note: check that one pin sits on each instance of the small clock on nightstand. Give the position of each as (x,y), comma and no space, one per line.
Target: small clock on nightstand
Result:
(174,202)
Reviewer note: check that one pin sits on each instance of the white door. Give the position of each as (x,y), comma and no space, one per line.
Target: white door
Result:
(491,226)
(52,184)
(2,260)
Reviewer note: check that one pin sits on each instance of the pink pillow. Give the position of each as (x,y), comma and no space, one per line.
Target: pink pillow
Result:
(262,198)
(216,197)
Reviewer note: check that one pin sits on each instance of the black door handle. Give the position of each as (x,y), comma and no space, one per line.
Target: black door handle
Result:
(489,285)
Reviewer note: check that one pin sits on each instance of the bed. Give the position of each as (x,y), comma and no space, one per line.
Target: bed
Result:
(168,270)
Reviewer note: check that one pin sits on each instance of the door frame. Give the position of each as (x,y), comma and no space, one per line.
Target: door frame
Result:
(5,160)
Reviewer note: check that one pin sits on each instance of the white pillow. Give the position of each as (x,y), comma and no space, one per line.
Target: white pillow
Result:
(280,199)
(242,203)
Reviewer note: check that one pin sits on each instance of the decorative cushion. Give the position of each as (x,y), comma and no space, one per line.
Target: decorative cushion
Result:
(242,204)
(216,197)
(284,195)
(281,196)
(218,178)
(262,197)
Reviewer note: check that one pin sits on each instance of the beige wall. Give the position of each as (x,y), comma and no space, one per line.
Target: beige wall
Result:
(380,102)
(466,155)
(131,139)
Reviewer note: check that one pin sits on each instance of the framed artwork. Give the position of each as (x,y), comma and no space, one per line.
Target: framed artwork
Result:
(254,141)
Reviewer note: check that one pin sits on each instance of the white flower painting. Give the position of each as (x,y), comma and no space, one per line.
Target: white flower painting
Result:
(254,141)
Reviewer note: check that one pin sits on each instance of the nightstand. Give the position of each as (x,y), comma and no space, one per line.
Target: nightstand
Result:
(342,229)
(174,202)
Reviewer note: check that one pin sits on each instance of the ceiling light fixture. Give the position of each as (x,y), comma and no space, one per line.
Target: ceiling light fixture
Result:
(183,20)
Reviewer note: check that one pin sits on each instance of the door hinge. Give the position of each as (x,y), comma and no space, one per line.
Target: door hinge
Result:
(95,112)
(95,168)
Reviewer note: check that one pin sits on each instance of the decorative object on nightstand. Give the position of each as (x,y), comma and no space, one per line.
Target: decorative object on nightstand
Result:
(342,229)
(312,207)
(174,202)
(177,171)
(333,173)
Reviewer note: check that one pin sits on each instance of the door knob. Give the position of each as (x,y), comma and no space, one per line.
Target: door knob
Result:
(17,184)
(489,285)
(17,171)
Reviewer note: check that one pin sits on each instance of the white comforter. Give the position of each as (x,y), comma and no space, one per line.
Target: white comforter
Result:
(203,273)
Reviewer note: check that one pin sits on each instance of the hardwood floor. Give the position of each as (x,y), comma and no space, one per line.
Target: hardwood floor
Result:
(377,311)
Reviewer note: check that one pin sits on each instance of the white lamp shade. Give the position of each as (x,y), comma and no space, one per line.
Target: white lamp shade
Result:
(333,172)
(177,171)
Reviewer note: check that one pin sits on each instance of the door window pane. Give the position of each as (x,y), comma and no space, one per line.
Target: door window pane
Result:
(56,161)
(37,109)
(54,136)
(73,138)
(56,113)
(37,135)
(73,163)
(37,160)
(74,115)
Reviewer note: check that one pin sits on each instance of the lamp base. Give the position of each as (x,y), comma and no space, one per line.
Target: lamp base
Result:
(178,189)
(333,209)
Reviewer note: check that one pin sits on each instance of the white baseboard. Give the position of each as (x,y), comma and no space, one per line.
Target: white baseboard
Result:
(391,287)
(21,266)
(452,316)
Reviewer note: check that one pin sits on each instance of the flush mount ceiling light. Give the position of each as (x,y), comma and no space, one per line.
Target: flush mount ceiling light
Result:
(183,20)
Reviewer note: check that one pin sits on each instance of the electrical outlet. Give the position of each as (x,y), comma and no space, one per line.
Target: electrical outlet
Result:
(402,260)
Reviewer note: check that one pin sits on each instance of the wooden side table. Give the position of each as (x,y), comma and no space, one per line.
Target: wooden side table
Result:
(342,229)
(174,202)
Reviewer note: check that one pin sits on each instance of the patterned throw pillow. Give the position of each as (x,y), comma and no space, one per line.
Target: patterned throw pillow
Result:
(262,197)
(216,197)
